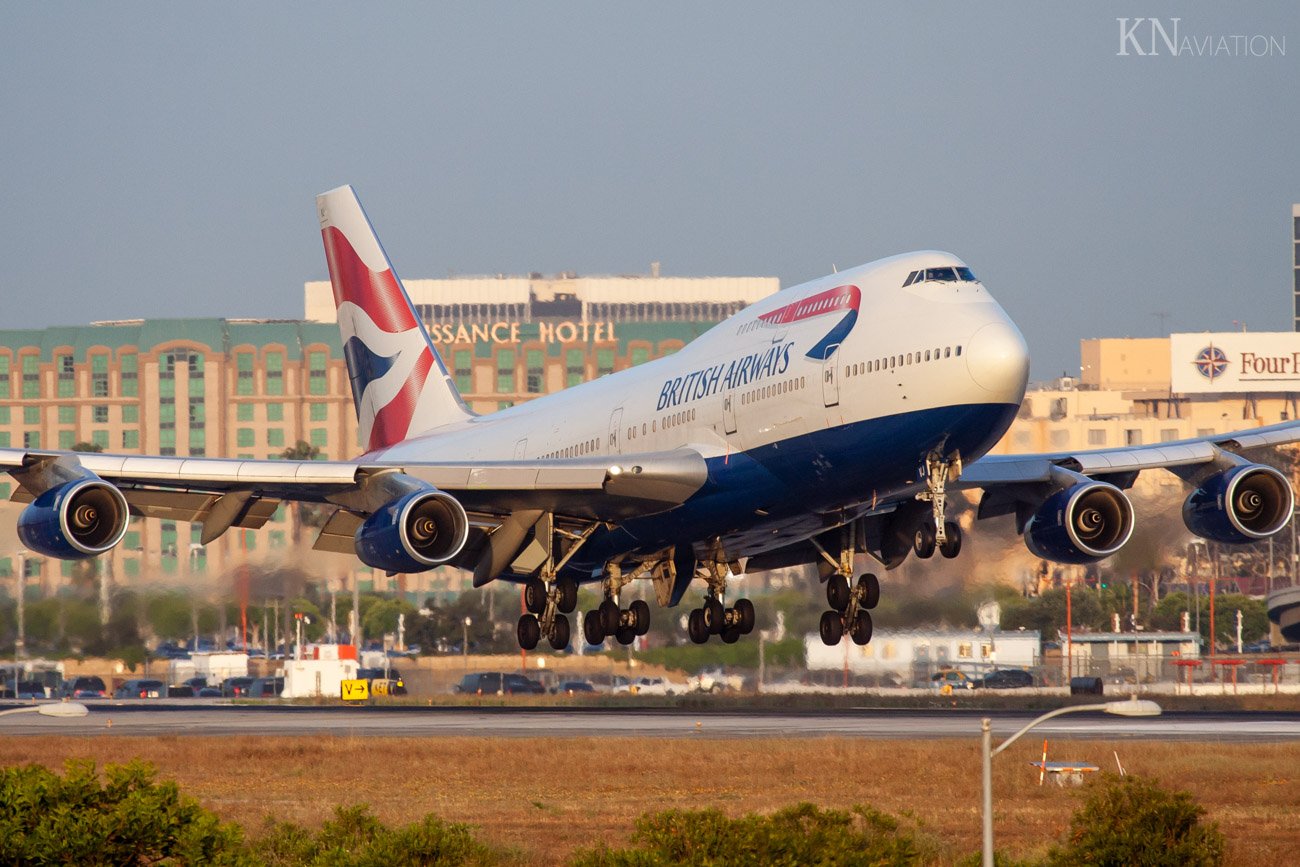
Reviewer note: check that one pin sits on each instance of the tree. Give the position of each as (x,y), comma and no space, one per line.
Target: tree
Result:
(87,447)
(1254,615)
(1132,820)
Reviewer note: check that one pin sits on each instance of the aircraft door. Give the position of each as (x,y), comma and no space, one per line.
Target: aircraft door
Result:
(616,432)
(521,447)
(830,378)
(729,413)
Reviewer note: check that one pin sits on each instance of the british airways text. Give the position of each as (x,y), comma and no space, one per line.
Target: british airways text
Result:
(733,374)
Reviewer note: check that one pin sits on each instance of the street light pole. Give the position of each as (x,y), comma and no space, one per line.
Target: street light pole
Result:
(1131,707)
(464,641)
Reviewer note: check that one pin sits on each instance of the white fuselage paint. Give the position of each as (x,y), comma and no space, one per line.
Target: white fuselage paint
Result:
(623,413)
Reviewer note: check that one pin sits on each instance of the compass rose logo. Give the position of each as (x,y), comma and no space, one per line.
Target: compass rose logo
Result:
(1211,362)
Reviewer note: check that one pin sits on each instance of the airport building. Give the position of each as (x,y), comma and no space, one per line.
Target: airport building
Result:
(253,389)
(1140,391)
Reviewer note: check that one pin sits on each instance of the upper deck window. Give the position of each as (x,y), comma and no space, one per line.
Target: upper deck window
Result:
(967,275)
(941,274)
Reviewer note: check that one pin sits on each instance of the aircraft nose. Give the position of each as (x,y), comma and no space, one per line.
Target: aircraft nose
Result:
(998,361)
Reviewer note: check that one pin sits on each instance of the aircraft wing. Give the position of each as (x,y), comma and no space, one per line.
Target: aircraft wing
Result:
(612,488)
(1123,464)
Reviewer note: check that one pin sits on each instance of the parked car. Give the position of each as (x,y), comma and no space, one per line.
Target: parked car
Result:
(141,688)
(265,687)
(181,691)
(208,692)
(85,687)
(236,687)
(1006,678)
(493,682)
(951,678)
(573,687)
(27,689)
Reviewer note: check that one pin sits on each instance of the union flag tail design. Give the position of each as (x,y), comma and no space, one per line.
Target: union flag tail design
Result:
(400,385)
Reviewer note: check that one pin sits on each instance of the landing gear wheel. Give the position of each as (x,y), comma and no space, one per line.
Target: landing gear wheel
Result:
(731,635)
(625,635)
(610,616)
(640,616)
(715,616)
(832,628)
(745,613)
(696,628)
(591,628)
(559,636)
(837,592)
(868,590)
(535,595)
(568,595)
(923,542)
(529,632)
(861,630)
(951,546)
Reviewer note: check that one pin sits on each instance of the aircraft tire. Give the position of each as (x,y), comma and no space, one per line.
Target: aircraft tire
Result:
(832,628)
(952,544)
(529,632)
(862,628)
(923,542)
(696,628)
(869,588)
(625,635)
(640,615)
(745,609)
(837,591)
(568,595)
(610,616)
(715,616)
(730,635)
(559,637)
(592,630)
(534,595)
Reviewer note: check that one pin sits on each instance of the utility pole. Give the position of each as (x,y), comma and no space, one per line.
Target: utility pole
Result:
(356,613)
(20,645)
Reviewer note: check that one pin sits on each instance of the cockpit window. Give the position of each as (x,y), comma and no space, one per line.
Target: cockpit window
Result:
(967,275)
(911,278)
(940,274)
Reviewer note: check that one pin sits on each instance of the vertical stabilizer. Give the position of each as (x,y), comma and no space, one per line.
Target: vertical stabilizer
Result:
(400,385)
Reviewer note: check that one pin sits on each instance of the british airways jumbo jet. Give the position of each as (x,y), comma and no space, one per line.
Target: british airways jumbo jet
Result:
(826,421)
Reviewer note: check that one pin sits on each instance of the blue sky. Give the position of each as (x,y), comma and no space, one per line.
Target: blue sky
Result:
(161,159)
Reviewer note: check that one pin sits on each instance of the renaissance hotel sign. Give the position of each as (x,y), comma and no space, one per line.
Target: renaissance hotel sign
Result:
(1235,361)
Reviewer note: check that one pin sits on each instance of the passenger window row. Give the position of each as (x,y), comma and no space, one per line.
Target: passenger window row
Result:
(893,361)
(785,386)
(574,451)
(941,275)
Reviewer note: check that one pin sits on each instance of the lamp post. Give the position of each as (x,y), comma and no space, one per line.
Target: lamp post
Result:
(1130,707)
(464,641)
(61,710)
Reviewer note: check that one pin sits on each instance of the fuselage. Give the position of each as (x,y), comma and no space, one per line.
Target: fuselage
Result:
(820,398)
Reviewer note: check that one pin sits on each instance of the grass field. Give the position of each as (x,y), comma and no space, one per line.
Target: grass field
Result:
(545,797)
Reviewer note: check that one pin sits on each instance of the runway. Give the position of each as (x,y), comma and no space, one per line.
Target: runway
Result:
(150,719)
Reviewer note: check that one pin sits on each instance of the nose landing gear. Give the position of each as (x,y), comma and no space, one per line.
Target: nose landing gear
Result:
(941,534)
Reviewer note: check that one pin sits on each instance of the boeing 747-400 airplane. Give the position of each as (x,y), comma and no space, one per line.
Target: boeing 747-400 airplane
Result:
(826,421)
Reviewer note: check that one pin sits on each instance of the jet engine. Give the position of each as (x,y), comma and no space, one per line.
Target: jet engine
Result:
(413,533)
(75,520)
(1238,505)
(1080,524)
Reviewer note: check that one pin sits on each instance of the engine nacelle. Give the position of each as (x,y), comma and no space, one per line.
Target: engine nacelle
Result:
(1081,524)
(413,533)
(75,520)
(1239,505)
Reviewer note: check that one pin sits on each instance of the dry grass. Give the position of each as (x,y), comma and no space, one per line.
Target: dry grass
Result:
(545,797)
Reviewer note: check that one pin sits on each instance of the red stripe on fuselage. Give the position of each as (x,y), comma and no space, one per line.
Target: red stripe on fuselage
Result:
(379,295)
(830,301)
(393,421)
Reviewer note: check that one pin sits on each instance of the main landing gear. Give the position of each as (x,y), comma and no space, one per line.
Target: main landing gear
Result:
(611,621)
(548,608)
(939,533)
(850,608)
(715,618)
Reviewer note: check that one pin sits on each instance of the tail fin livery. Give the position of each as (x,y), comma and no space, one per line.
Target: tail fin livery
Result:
(399,383)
